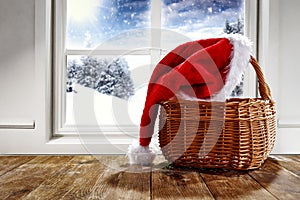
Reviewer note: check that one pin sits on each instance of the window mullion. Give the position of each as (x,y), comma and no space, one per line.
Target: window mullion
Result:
(155,52)
(99,52)
(251,18)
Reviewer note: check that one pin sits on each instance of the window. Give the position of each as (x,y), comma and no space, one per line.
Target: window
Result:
(106,50)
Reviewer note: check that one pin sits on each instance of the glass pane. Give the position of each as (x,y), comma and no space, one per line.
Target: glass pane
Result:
(106,90)
(92,22)
(198,19)
(203,18)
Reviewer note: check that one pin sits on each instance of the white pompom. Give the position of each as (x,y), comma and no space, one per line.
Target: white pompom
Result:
(140,155)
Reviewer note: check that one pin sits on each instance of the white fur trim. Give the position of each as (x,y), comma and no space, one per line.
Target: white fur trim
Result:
(140,155)
(240,60)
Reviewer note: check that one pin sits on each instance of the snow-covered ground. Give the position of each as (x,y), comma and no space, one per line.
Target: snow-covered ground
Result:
(106,110)
(88,106)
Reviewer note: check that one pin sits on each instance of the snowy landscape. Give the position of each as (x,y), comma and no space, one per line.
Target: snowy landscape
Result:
(115,86)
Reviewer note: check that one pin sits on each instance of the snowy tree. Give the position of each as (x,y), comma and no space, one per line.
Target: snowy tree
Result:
(238,90)
(235,28)
(72,70)
(107,76)
(115,80)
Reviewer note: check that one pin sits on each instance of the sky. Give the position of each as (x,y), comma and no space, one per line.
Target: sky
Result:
(99,20)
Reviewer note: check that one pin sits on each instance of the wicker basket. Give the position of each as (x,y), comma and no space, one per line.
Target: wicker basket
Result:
(237,134)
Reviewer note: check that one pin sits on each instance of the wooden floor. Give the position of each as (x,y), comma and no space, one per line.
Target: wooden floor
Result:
(110,177)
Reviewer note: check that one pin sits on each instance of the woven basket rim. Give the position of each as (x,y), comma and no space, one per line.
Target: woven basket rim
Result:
(185,101)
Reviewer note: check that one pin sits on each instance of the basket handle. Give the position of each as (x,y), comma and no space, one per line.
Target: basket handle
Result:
(264,89)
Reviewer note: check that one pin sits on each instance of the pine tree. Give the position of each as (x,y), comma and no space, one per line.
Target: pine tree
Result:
(116,80)
(107,76)
(240,27)
(228,28)
(236,28)
(72,72)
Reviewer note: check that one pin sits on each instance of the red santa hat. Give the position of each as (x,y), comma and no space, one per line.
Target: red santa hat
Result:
(204,69)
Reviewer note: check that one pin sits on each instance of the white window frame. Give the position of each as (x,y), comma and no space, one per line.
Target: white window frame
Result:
(59,103)
(60,127)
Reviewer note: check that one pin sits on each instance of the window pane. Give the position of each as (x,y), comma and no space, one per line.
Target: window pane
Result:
(106,90)
(202,18)
(198,19)
(91,22)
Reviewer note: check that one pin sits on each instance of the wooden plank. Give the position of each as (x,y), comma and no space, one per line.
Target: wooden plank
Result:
(83,159)
(279,181)
(178,184)
(293,157)
(74,182)
(50,160)
(110,177)
(20,181)
(8,163)
(121,181)
(175,183)
(234,185)
(288,162)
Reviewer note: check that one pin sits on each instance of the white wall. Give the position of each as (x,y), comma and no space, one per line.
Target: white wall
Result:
(25,73)
(279,54)
(16,61)
(289,65)
(289,73)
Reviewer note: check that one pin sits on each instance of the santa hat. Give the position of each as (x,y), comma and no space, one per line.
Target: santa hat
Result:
(204,69)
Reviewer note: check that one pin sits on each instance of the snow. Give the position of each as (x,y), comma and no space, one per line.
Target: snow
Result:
(108,110)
